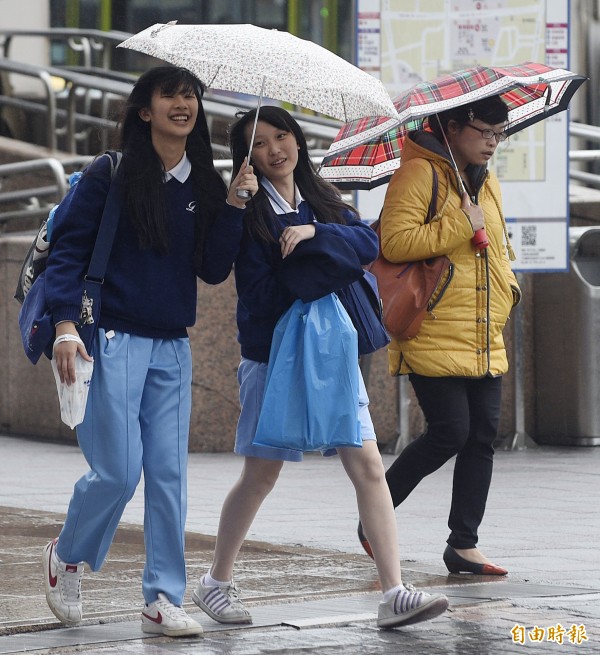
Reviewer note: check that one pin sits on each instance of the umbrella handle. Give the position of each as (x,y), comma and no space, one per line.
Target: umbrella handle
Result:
(244,193)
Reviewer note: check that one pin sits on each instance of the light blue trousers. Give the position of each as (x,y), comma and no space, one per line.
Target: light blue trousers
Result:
(137,419)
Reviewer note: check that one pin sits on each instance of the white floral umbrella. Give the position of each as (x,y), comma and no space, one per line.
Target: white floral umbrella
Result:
(278,65)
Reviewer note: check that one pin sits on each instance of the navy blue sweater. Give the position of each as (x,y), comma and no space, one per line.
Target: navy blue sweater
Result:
(262,297)
(144,292)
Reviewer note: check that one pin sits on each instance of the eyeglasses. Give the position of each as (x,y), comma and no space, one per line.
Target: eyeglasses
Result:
(488,134)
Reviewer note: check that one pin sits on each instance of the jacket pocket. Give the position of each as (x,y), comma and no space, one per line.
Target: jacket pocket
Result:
(441,289)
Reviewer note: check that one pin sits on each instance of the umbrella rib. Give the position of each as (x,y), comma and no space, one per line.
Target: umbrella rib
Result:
(548,97)
(210,84)
(155,33)
(344,107)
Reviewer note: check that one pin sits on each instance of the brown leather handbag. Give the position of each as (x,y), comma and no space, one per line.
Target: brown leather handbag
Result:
(407,289)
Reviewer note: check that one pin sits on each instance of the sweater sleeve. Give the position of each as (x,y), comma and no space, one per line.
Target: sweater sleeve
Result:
(357,233)
(75,227)
(258,287)
(222,245)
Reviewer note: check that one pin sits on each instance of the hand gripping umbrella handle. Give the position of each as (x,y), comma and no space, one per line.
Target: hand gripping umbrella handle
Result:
(479,239)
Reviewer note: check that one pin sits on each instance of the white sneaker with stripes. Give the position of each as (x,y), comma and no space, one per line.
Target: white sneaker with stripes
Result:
(222,604)
(410,606)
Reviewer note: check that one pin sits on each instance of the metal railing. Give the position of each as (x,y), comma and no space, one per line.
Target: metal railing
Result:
(589,133)
(94,47)
(80,88)
(83,87)
(72,85)
(36,202)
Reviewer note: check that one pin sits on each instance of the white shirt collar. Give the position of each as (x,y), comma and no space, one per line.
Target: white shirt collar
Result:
(180,171)
(280,206)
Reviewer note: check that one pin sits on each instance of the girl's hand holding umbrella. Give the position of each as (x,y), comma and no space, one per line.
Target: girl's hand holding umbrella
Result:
(245,181)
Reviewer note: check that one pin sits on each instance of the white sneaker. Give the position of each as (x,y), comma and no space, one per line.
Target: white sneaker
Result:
(63,586)
(410,606)
(163,618)
(222,604)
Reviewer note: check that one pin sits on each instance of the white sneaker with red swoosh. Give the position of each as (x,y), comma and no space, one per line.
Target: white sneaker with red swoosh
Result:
(163,618)
(63,586)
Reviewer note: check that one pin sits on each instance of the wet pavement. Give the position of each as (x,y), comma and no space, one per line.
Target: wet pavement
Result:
(302,572)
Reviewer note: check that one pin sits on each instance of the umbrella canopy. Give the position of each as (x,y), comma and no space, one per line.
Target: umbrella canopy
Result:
(366,152)
(250,59)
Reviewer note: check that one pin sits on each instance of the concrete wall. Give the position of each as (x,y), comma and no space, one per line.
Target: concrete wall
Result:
(28,401)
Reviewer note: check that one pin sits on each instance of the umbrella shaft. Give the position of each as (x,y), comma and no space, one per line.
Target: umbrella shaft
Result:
(260,97)
(244,193)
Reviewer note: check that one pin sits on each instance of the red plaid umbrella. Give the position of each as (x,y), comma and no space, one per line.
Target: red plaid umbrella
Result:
(366,152)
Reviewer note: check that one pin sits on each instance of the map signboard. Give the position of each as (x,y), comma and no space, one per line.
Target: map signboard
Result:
(406,41)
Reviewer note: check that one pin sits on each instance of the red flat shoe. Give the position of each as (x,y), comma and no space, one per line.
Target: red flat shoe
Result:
(493,569)
(457,564)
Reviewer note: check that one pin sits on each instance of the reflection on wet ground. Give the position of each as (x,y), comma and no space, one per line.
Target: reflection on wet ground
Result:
(300,598)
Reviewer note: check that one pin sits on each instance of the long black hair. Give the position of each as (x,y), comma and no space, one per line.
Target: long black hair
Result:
(142,169)
(322,196)
(492,110)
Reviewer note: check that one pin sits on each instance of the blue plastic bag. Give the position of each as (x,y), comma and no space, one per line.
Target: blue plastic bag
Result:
(311,391)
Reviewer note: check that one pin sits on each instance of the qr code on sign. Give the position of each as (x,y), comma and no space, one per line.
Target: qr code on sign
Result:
(529,235)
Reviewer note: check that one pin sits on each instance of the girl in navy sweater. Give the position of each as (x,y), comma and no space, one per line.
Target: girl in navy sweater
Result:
(293,204)
(173,226)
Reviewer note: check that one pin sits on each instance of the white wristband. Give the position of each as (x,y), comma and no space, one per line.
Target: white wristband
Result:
(66,337)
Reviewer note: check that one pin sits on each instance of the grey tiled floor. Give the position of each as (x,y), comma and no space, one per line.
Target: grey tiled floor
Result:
(303,572)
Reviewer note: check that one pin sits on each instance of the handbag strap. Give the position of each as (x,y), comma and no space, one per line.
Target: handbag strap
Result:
(107,228)
(434,194)
(430,211)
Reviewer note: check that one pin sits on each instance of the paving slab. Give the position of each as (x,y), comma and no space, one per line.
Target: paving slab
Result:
(302,572)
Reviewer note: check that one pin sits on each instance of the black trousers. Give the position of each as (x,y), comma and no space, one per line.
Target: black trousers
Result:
(462,417)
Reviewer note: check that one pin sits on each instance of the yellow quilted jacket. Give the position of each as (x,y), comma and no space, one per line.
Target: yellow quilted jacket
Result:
(462,335)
